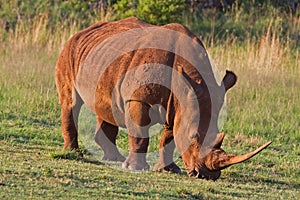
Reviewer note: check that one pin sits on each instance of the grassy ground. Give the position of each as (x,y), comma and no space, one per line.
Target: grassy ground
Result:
(263,106)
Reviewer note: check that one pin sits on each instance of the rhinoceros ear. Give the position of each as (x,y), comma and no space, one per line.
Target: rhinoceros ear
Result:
(229,80)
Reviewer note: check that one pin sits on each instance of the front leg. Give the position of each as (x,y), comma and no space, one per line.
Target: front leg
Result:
(137,122)
(69,115)
(166,151)
(136,159)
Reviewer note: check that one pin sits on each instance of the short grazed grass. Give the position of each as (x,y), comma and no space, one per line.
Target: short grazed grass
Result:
(263,106)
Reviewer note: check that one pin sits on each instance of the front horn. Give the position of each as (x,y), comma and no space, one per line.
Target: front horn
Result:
(233,159)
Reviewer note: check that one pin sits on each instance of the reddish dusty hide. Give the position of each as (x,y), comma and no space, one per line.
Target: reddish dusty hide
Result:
(135,83)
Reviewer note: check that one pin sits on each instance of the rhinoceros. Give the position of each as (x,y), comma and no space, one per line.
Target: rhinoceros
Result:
(133,75)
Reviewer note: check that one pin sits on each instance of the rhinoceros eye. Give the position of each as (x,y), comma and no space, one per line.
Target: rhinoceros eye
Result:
(193,136)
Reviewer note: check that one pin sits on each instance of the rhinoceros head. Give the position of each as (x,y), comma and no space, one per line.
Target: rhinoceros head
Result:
(209,166)
(204,157)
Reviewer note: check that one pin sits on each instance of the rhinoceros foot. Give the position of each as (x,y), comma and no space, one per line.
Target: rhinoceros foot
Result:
(75,150)
(136,162)
(114,157)
(79,153)
(169,168)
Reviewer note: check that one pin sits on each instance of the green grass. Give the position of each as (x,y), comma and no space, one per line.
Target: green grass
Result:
(263,106)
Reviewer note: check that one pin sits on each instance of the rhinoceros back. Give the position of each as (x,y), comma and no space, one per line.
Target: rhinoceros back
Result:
(99,48)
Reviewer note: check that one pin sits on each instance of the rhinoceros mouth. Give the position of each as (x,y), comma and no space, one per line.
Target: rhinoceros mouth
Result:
(216,160)
(204,173)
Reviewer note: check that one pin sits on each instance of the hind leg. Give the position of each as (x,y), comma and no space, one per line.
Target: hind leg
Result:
(105,137)
(69,100)
(69,116)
